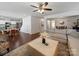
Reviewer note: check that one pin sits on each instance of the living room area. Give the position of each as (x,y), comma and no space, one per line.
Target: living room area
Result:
(39,28)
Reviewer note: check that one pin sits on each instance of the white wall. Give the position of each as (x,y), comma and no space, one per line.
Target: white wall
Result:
(35,24)
(26,25)
(31,25)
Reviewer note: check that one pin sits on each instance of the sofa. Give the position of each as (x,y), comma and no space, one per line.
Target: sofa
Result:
(73,39)
(59,34)
(73,43)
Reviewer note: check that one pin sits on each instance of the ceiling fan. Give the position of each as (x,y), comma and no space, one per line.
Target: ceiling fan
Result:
(41,8)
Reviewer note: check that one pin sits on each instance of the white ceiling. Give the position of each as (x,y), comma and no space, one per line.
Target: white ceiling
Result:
(24,8)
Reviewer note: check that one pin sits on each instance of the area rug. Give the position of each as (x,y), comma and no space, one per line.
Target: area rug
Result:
(62,49)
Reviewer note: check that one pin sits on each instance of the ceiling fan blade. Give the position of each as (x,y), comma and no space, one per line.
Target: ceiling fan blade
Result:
(34,6)
(46,3)
(35,10)
(48,9)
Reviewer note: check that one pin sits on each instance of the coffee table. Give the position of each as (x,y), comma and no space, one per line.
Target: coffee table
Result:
(36,48)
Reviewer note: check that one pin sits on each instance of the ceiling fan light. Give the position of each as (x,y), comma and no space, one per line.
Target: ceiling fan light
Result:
(39,11)
(42,10)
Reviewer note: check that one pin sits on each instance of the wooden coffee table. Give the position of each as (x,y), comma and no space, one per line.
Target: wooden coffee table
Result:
(36,47)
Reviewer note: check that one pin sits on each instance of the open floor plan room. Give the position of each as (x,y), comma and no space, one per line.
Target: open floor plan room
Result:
(39,28)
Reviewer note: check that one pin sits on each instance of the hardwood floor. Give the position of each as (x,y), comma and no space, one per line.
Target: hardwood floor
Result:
(21,39)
